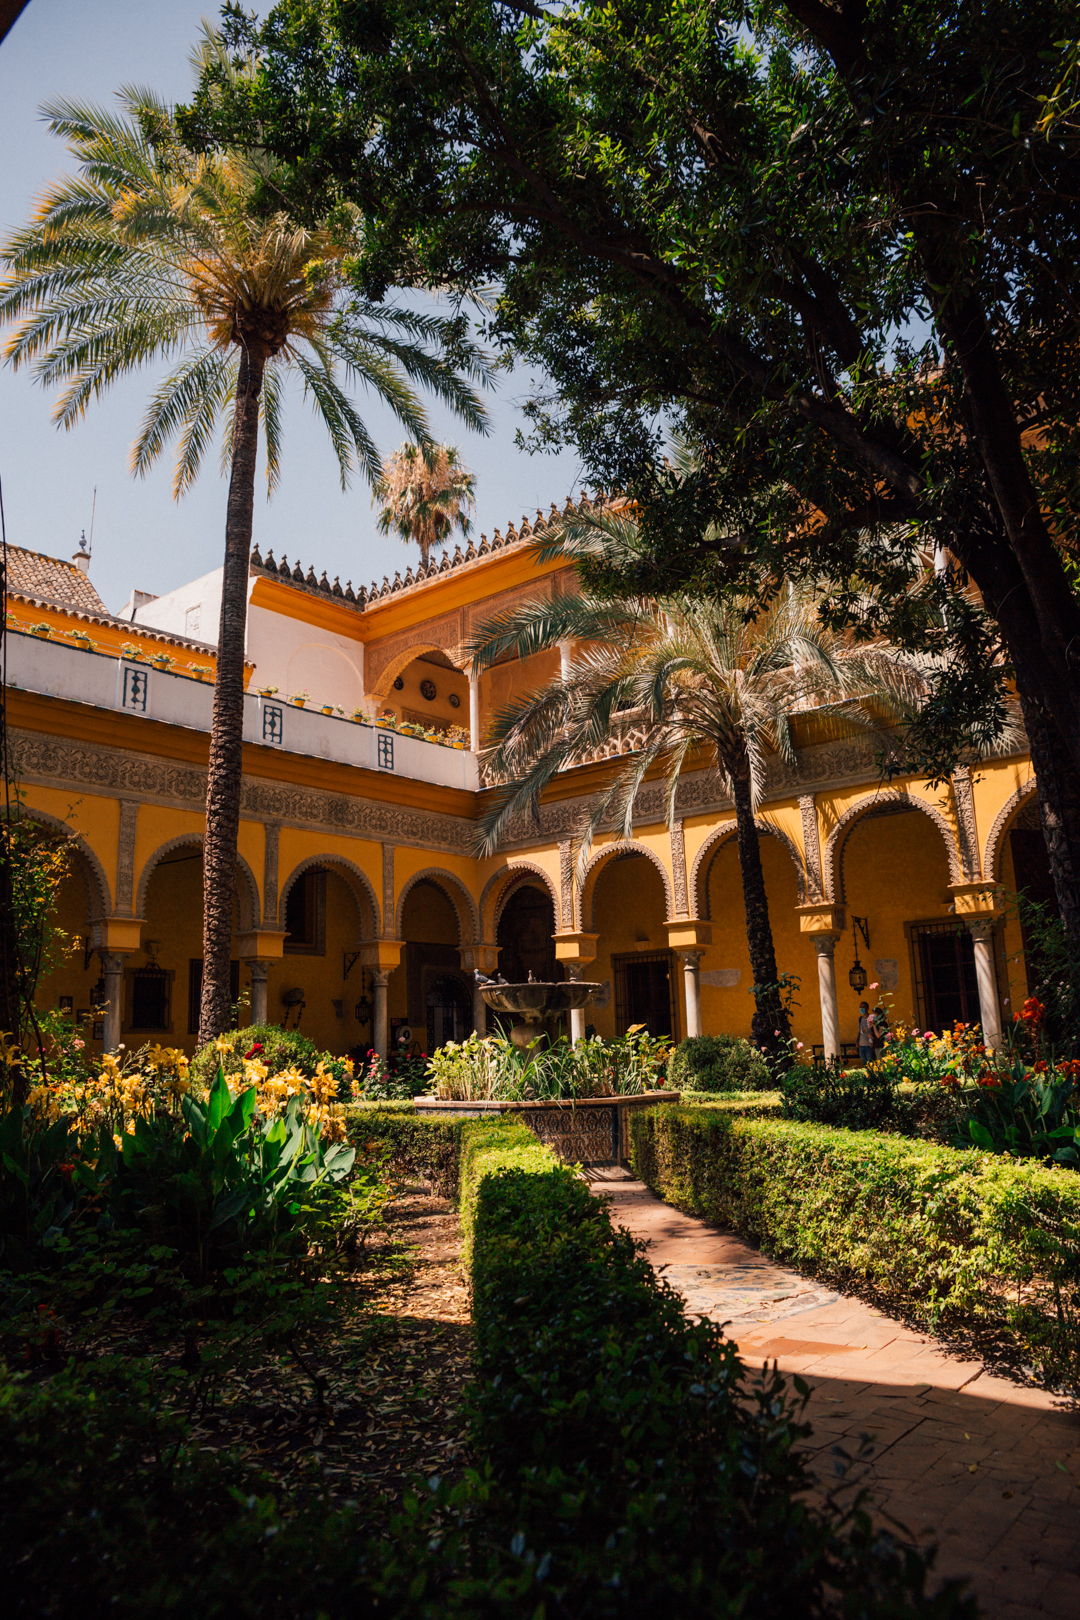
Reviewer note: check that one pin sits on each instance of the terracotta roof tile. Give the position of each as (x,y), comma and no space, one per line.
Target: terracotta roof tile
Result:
(51,578)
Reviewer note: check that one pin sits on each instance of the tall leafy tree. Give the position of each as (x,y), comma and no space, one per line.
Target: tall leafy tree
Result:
(694,676)
(838,236)
(425,492)
(152,253)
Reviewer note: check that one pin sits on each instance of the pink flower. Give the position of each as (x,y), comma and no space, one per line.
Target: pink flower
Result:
(776,1032)
(798,1046)
(874,987)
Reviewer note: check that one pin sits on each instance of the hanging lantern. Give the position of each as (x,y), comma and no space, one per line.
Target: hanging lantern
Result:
(857,974)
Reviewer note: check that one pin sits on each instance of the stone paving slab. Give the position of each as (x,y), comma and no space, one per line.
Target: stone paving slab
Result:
(986,1468)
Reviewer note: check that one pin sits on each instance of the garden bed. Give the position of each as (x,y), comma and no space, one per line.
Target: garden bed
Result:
(589,1130)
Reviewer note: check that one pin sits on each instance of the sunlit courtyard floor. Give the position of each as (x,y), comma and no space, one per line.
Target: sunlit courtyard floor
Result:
(986,1466)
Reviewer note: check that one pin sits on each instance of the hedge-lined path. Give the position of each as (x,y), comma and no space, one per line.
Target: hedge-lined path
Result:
(987,1468)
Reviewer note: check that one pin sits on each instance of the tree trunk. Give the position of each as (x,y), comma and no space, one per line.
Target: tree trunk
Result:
(224,778)
(1059,810)
(770,1022)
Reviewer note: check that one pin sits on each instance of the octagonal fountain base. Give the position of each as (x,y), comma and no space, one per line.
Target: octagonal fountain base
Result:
(594,1130)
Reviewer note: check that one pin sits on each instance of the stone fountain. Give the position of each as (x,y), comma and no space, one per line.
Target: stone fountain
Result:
(537,1005)
(589,1130)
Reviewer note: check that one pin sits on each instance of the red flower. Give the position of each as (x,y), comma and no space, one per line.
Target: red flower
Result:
(255,1050)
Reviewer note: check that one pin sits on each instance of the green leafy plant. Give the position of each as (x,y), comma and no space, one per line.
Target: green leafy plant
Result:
(492,1068)
(276,1047)
(718,1063)
(859,1099)
(1025,1114)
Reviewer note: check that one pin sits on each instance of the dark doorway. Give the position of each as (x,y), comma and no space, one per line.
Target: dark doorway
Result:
(643,993)
(1031,875)
(525,937)
(945,984)
(449,1012)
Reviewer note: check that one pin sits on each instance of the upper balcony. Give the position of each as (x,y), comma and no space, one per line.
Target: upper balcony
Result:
(61,670)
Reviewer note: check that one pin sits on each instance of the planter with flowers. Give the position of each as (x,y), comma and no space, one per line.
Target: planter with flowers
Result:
(331,708)
(81,640)
(360,717)
(298,699)
(269,691)
(387,721)
(130,650)
(162,661)
(43,630)
(199,672)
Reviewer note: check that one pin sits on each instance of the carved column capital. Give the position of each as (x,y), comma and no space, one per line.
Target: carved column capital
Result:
(825,944)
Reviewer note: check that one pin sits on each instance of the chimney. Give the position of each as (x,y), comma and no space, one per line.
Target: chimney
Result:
(81,559)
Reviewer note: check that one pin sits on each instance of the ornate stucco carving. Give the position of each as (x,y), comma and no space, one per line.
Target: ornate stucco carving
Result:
(125,856)
(967,827)
(811,846)
(445,632)
(270,870)
(678,870)
(52,760)
(387,886)
(567,894)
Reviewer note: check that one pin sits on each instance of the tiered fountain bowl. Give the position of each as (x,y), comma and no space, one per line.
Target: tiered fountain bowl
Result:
(589,1130)
(537,1005)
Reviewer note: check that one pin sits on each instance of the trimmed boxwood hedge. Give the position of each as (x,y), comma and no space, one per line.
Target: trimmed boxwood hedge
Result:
(959,1237)
(419,1144)
(634,1467)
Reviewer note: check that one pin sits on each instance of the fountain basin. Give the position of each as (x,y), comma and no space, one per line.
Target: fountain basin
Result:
(537,1004)
(591,1130)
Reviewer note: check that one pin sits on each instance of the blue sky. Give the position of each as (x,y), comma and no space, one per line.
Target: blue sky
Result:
(142,538)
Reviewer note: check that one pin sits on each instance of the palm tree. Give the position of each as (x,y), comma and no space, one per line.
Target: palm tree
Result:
(152,252)
(688,674)
(425,490)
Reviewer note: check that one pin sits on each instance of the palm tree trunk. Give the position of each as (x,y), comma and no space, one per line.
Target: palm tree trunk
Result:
(224,778)
(770,1021)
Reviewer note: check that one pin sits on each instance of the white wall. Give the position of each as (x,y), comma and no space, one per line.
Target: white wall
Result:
(170,612)
(297,657)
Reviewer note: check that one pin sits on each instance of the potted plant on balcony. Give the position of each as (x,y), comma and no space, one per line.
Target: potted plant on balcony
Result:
(83,641)
(162,660)
(43,629)
(388,721)
(269,691)
(298,699)
(331,708)
(457,737)
(361,717)
(199,672)
(128,649)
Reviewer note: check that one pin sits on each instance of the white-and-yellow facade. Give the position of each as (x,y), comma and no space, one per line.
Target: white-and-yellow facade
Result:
(361,906)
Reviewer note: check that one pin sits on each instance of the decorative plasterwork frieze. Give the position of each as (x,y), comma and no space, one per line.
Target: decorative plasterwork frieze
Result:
(125,857)
(967,827)
(811,846)
(388,887)
(270,870)
(56,761)
(678,870)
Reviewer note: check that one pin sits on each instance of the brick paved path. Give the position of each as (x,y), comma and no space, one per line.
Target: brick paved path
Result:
(988,1469)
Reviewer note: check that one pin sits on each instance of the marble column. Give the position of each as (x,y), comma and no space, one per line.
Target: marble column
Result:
(479,1010)
(474,713)
(379,979)
(112,963)
(825,945)
(259,972)
(565,650)
(982,935)
(574,970)
(691,961)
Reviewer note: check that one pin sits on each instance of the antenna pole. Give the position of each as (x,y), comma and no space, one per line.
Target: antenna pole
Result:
(93,509)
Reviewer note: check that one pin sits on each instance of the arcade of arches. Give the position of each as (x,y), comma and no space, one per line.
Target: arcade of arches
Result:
(362,910)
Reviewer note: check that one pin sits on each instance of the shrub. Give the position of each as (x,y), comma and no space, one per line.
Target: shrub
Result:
(957,1237)
(859,1099)
(718,1063)
(417,1145)
(277,1048)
